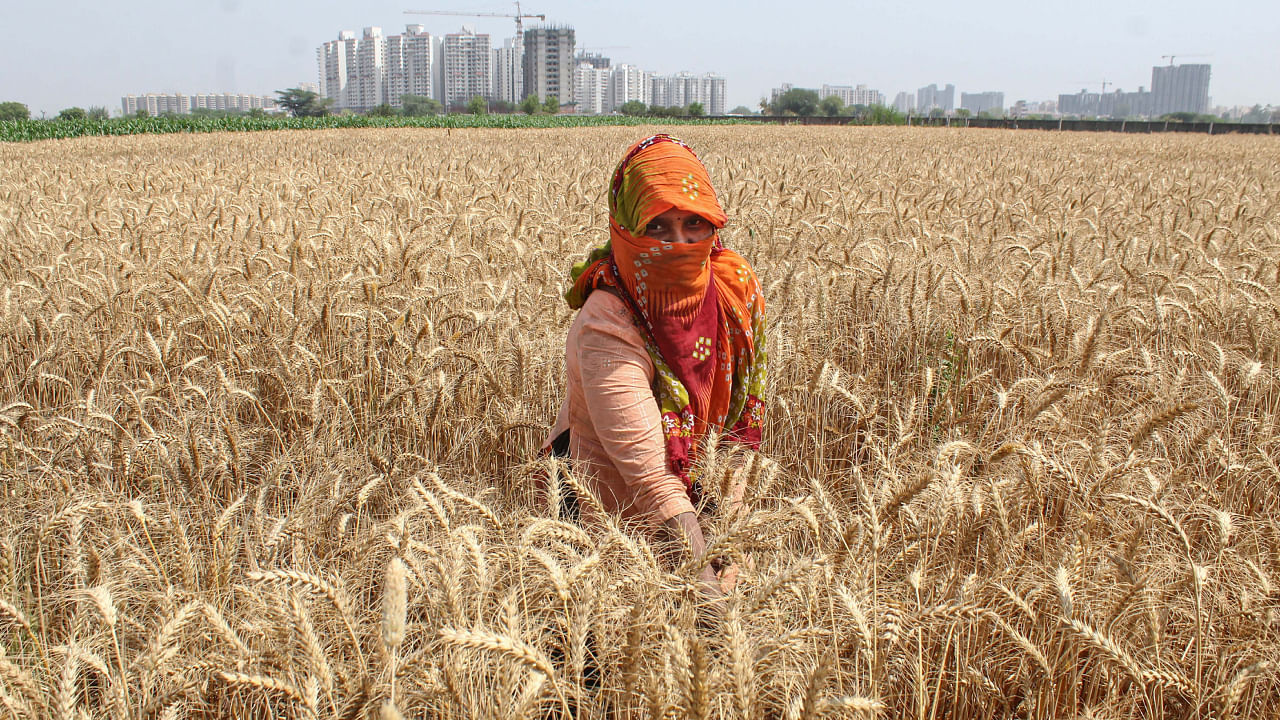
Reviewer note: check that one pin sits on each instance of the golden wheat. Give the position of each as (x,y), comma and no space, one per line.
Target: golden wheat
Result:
(270,405)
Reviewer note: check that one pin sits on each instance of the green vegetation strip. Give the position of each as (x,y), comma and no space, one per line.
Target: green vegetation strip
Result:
(29,130)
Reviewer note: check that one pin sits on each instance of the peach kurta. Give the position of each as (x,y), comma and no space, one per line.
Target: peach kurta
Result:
(616,439)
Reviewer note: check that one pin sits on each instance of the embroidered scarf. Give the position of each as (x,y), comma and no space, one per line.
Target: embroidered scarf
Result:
(700,305)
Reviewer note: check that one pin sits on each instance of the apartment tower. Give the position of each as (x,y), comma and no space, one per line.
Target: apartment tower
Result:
(508,71)
(548,63)
(1179,88)
(466,67)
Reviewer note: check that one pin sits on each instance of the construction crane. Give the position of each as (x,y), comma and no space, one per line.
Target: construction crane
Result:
(1171,57)
(519,16)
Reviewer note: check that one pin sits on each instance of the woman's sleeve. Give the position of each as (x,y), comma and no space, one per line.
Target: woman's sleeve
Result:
(616,373)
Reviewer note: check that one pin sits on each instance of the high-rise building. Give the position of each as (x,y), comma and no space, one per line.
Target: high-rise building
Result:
(466,67)
(850,95)
(410,64)
(1179,88)
(628,83)
(338,70)
(660,90)
(182,104)
(713,94)
(591,89)
(1083,103)
(595,60)
(548,62)
(930,97)
(988,102)
(684,88)
(362,73)
(904,102)
(371,68)
(508,71)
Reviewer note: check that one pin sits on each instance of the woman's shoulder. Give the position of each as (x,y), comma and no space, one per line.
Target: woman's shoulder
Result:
(605,302)
(608,314)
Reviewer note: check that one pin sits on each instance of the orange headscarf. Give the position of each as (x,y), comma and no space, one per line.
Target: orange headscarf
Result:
(700,304)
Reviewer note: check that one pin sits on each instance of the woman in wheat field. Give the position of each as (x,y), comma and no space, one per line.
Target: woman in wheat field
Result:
(667,346)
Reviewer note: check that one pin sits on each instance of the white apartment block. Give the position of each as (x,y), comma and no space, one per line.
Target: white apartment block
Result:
(684,88)
(904,102)
(182,104)
(627,83)
(659,91)
(466,67)
(362,73)
(410,64)
(982,102)
(931,97)
(371,68)
(851,95)
(713,90)
(591,89)
(508,71)
(337,61)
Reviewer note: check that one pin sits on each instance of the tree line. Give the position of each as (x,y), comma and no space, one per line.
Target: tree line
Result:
(807,103)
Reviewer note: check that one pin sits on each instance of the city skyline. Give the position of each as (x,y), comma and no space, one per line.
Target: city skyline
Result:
(1034,54)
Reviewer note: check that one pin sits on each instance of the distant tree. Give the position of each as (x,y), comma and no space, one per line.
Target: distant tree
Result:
(1188,117)
(695,109)
(303,103)
(256,113)
(552,105)
(1255,115)
(142,113)
(765,107)
(501,106)
(937,113)
(990,115)
(831,105)
(883,115)
(14,111)
(1275,115)
(796,101)
(477,106)
(963,113)
(742,110)
(97,112)
(383,110)
(72,113)
(530,105)
(419,105)
(632,107)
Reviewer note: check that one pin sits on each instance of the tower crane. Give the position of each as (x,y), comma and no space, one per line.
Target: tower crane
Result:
(519,16)
(1171,57)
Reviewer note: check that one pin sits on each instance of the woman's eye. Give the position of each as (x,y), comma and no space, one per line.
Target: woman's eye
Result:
(653,229)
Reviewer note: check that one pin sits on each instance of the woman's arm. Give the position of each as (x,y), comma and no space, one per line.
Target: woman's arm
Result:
(616,373)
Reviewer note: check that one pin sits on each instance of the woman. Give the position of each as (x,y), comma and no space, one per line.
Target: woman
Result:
(668,345)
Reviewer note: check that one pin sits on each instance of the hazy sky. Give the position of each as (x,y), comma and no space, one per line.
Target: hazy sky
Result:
(90,52)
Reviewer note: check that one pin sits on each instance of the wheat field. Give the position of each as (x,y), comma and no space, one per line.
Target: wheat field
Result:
(269,405)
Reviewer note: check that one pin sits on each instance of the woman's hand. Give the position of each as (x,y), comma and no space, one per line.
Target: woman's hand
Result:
(684,527)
